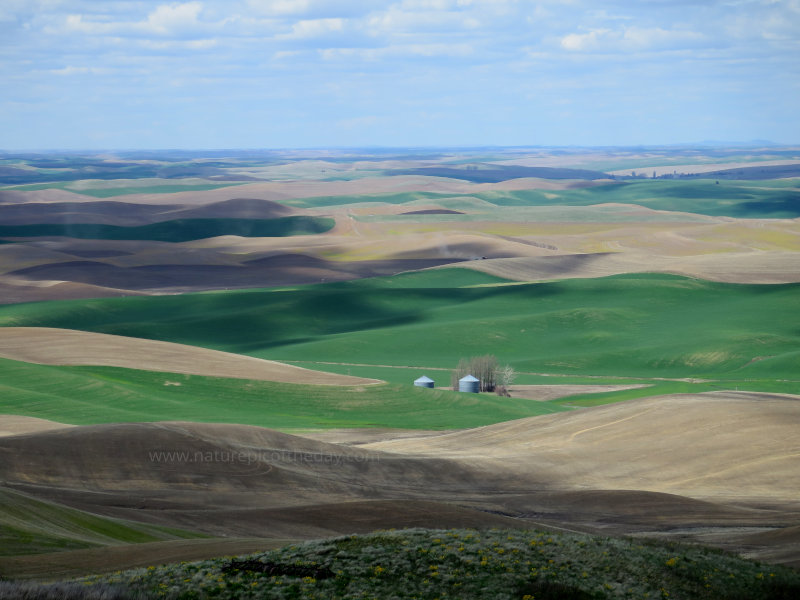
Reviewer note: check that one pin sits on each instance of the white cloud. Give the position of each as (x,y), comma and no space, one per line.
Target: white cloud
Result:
(452,50)
(204,44)
(167,19)
(399,51)
(432,16)
(76,24)
(579,42)
(72,70)
(628,39)
(314,28)
(312,9)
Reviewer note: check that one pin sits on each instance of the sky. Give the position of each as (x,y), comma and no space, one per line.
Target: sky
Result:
(213,74)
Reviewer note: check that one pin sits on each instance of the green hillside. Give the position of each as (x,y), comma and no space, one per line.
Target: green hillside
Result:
(90,395)
(30,526)
(629,325)
(124,187)
(179,230)
(740,199)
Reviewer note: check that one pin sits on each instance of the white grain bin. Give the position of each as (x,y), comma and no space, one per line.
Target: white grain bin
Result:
(424,381)
(470,384)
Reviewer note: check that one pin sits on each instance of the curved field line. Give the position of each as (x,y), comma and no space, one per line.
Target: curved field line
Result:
(736,467)
(582,431)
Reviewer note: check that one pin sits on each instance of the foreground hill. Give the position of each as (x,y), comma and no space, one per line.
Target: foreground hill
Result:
(682,466)
(492,565)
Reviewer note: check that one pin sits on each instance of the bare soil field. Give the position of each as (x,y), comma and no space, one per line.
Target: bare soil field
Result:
(699,445)
(14,290)
(685,466)
(734,267)
(45,345)
(18,425)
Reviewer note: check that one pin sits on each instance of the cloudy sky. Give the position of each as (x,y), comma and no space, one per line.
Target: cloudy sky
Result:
(84,74)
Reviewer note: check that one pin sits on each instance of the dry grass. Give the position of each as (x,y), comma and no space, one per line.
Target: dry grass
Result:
(44,345)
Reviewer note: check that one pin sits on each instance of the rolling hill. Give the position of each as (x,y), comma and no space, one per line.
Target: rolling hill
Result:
(91,395)
(175,231)
(44,345)
(665,466)
(31,526)
(692,445)
(638,325)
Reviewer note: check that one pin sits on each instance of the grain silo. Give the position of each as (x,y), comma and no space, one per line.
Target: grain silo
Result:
(470,384)
(424,381)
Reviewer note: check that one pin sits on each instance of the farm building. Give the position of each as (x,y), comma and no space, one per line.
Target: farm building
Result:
(470,384)
(424,381)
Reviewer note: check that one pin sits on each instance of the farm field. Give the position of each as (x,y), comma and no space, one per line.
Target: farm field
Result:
(638,325)
(31,526)
(215,354)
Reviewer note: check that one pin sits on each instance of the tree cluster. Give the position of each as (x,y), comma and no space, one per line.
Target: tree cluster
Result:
(484,368)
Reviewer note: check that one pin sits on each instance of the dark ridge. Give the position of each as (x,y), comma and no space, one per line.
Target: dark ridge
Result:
(104,211)
(96,253)
(239,208)
(75,169)
(129,214)
(483,173)
(434,211)
(747,173)
(285,269)
(179,230)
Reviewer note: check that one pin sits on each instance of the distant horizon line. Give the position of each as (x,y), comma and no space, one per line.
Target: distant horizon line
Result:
(391,148)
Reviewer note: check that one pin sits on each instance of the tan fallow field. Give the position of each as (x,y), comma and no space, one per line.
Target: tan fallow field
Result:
(18,425)
(44,345)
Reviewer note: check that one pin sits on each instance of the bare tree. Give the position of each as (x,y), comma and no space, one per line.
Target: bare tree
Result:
(483,368)
(462,369)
